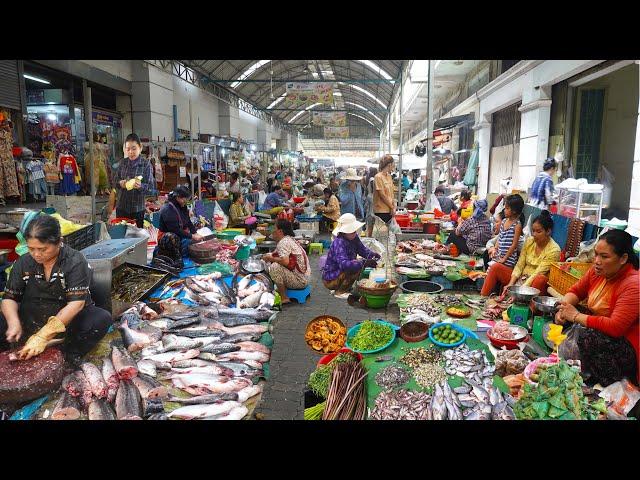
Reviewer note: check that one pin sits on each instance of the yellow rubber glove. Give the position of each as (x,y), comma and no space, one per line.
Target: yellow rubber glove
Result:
(38,341)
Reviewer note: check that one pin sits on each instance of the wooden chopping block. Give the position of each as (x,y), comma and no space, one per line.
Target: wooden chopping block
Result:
(26,380)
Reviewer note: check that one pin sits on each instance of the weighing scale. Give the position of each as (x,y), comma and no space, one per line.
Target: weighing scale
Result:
(541,323)
(519,313)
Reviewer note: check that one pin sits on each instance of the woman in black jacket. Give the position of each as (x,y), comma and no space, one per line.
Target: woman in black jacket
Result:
(174,218)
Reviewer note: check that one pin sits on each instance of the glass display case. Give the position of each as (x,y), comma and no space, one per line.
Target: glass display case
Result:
(580,203)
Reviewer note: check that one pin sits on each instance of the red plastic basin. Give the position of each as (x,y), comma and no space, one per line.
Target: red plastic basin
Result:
(327,358)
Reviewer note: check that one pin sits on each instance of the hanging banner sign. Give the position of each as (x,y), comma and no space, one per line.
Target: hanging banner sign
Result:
(336,132)
(303,94)
(333,119)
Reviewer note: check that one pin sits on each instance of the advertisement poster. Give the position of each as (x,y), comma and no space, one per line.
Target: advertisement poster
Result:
(336,132)
(332,119)
(303,94)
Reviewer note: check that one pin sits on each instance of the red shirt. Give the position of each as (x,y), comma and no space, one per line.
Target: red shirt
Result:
(624,307)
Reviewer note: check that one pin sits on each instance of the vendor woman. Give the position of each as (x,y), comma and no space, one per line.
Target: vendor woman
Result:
(239,216)
(47,294)
(606,338)
(289,263)
(534,263)
(473,233)
(342,269)
(174,218)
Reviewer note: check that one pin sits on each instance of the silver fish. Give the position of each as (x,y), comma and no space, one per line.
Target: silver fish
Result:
(438,406)
(235,321)
(267,299)
(212,369)
(242,337)
(244,283)
(258,314)
(191,412)
(220,348)
(204,399)
(173,342)
(251,301)
(239,369)
(147,367)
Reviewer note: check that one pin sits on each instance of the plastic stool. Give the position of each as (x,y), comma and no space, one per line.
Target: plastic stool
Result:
(316,247)
(299,295)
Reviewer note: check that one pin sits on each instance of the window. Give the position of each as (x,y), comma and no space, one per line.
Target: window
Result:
(589,133)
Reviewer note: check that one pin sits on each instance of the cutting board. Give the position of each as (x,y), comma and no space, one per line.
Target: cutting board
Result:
(25,380)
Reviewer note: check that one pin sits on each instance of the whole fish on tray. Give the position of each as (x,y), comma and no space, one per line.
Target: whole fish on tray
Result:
(174,356)
(220,348)
(253,347)
(240,369)
(257,328)
(191,412)
(99,409)
(204,399)
(201,333)
(147,367)
(242,356)
(242,337)
(128,402)
(124,365)
(212,369)
(180,315)
(233,321)
(67,408)
(111,377)
(136,339)
(237,413)
(174,342)
(210,383)
(186,322)
(258,314)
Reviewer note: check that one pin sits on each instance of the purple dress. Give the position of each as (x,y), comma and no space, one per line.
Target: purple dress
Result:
(342,257)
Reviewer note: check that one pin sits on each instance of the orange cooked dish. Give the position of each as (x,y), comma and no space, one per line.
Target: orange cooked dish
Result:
(325,335)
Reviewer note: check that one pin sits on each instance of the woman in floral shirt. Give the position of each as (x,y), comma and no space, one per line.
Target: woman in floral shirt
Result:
(341,268)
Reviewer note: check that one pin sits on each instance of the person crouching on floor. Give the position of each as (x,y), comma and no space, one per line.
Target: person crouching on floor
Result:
(342,268)
(289,263)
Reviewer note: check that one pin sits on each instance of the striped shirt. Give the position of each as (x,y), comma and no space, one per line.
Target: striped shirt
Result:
(476,232)
(505,240)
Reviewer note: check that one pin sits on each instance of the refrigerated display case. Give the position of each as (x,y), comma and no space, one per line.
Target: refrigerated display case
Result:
(580,203)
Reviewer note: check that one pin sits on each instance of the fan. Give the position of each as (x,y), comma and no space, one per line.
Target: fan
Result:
(420,150)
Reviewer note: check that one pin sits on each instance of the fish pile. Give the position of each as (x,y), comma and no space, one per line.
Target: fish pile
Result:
(470,364)
(471,401)
(415,357)
(447,299)
(129,283)
(415,246)
(392,376)
(402,405)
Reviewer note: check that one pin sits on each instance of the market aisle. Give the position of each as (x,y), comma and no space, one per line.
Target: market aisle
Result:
(292,361)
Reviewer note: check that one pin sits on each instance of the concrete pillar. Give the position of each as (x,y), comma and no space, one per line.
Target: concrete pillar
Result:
(228,118)
(151,101)
(534,134)
(264,135)
(123,105)
(634,201)
(483,137)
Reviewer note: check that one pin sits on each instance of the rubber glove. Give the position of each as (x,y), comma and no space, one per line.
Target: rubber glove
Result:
(38,341)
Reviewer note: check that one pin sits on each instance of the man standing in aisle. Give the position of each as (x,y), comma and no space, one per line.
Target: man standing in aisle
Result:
(133,180)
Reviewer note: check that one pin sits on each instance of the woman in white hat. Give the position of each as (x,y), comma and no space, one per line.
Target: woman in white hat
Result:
(350,194)
(342,268)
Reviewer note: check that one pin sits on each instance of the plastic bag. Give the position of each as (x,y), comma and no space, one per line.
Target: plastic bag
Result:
(527,229)
(220,218)
(607,182)
(623,395)
(394,227)
(433,203)
(568,349)
(135,232)
(223,268)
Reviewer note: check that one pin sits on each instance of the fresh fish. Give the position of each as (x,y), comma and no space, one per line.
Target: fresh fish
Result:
(480,393)
(495,396)
(220,348)
(191,363)
(135,339)
(255,288)
(384,358)
(473,415)
(438,406)
(128,402)
(152,349)
(241,356)
(258,314)
(257,328)
(151,406)
(254,364)
(265,280)
(267,299)
(251,301)
(212,383)
(213,297)
(86,393)
(242,337)
(244,283)
(180,316)
(178,324)
(174,356)
(149,387)
(194,286)
(253,347)
(191,412)
(124,365)
(249,392)
(462,389)
(147,367)
(158,416)
(67,408)
(510,400)
(236,321)
(111,377)
(239,369)
(201,332)
(237,413)
(211,369)
(226,290)
(173,342)
(162,324)
(99,409)
(94,377)
(203,399)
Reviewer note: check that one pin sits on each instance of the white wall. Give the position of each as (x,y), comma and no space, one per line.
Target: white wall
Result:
(204,107)
(118,68)
(246,127)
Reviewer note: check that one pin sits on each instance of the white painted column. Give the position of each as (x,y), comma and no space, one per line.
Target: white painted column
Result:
(534,140)
(152,101)
(634,201)
(483,137)
(228,119)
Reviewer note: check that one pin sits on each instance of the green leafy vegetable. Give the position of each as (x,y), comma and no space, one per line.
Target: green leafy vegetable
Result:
(371,336)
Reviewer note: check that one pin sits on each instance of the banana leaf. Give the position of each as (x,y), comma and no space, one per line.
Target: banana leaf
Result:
(500,384)
(541,409)
(556,412)
(455,381)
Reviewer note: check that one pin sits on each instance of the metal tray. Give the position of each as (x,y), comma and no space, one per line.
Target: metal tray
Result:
(118,307)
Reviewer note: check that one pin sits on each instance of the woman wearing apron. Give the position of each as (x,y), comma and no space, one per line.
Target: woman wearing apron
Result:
(47,294)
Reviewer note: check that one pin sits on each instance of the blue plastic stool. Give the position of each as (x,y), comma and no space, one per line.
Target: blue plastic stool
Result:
(299,295)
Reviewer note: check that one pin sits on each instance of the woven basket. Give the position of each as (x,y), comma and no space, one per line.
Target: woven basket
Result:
(562,281)
(377,291)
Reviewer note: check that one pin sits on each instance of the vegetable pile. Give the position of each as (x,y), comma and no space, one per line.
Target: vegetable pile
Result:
(315,412)
(320,378)
(557,396)
(446,334)
(347,396)
(371,336)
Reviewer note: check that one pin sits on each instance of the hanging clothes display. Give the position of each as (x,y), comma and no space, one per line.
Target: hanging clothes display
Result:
(51,176)
(35,179)
(100,176)
(8,177)
(70,175)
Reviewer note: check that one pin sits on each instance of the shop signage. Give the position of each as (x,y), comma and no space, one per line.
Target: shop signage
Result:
(334,119)
(302,94)
(336,132)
